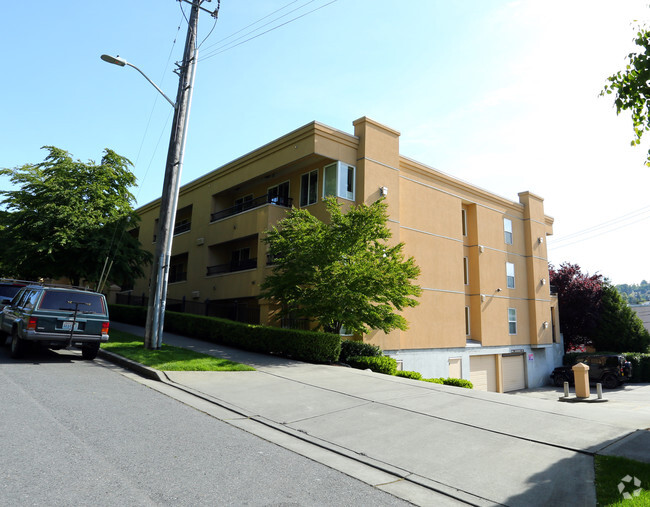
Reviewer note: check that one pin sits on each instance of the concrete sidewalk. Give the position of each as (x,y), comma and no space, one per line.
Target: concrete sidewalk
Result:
(464,446)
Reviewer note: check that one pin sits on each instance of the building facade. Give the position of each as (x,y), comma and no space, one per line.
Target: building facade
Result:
(485,314)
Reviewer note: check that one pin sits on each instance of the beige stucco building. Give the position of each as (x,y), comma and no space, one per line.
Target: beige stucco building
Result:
(485,314)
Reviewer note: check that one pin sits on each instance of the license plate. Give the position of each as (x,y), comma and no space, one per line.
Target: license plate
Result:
(67,326)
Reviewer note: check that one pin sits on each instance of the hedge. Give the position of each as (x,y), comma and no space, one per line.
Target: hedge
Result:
(297,344)
(351,348)
(379,364)
(640,362)
(415,375)
(456,382)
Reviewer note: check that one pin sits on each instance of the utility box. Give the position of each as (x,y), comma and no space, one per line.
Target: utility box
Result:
(581,378)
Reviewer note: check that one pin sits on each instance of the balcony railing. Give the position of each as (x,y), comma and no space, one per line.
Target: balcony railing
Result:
(231,267)
(182,227)
(253,203)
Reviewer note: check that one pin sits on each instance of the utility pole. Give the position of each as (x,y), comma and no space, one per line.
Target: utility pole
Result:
(171,185)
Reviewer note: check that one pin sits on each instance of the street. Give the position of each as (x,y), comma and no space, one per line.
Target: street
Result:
(76,433)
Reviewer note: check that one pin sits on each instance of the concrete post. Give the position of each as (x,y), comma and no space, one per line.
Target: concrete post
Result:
(581,376)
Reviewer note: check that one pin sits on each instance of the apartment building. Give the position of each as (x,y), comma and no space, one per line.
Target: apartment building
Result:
(486,312)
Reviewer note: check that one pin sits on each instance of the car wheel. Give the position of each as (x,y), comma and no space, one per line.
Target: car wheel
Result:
(610,382)
(17,345)
(559,380)
(90,351)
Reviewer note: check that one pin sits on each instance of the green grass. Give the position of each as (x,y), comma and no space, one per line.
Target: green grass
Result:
(609,472)
(168,358)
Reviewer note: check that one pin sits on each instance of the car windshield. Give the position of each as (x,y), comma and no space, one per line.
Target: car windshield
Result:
(9,291)
(58,300)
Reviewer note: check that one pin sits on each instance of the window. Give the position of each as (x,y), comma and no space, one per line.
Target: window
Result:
(512,321)
(178,268)
(507,231)
(243,203)
(463,215)
(279,194)
(339,180)
(466,270)
(467,329)
(308,188)
(510,275)
(183,221)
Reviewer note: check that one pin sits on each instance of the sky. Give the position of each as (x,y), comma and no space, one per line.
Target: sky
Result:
(501,94)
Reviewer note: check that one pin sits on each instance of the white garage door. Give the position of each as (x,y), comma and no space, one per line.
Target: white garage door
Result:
(483,373)
(514,372)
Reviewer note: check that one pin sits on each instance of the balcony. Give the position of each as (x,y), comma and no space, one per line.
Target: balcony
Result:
(232,267)
(253,203)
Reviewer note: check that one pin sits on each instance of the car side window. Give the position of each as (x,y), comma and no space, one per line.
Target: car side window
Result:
(23,298)
(30,299)
(16,298)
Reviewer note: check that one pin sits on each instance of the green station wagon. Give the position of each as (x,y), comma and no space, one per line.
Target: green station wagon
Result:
(55,317)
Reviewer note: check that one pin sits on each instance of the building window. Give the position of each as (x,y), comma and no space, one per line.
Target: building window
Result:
(463,215)
(243,203)
(512,321)
(338,180)
(510,275)
(507,231)
(178,268)
(308,188)
(279,194)
(467,329)
(466,270)
(183,222)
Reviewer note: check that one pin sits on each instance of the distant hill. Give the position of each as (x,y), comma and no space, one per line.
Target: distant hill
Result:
(635,294)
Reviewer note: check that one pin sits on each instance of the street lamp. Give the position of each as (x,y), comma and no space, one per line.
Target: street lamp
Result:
(116,60)
(171,183)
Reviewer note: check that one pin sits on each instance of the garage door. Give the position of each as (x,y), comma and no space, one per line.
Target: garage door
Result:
(483,373)
(514,372)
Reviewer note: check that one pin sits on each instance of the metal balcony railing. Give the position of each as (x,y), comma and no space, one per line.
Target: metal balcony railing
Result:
(231,267)
(253,203)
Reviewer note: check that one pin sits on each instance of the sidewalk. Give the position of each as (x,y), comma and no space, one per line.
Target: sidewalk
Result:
(476,447)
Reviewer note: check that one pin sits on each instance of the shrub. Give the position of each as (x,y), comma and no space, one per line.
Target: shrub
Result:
(293,343)
(379,364)
(456,382)
(640,366)
(351,348)
(409,374)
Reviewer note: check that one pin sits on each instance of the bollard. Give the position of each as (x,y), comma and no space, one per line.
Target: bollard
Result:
(581,375)
(599,391)
(566,389)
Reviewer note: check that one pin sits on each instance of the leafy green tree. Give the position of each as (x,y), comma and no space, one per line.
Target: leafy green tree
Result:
(342,273)
(619,328)
(632,87)
(65,217)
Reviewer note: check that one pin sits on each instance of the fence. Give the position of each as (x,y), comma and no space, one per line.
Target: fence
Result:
(232,310)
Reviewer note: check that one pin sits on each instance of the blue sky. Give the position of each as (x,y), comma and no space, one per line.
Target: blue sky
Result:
(503,94)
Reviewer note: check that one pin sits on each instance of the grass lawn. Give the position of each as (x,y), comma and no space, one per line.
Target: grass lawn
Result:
(168,358)
(609,472)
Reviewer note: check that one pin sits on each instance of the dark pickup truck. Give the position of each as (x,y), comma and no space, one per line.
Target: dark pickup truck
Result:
(610,370)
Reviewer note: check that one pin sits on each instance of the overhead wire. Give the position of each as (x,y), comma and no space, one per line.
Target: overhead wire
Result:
(227,47)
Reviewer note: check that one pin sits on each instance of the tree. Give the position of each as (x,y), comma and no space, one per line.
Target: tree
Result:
(342,273)
(619,328)
(632,87)
(579,299)
(66,217)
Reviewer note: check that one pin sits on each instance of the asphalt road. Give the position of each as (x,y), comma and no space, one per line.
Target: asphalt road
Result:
(77,433)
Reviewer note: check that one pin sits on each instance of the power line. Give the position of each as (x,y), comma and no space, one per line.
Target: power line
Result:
(227,47)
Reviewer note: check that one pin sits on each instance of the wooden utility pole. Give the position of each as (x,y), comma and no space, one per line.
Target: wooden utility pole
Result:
(171,185)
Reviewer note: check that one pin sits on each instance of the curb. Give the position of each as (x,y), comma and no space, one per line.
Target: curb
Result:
(140,369)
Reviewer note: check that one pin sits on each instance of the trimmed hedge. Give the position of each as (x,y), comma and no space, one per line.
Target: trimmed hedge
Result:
(379,364)
(297,344)
(350,348)
(640,362)
(456,382)
(415,375)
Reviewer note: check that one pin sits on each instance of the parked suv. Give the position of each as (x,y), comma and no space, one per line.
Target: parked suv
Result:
(56,317)
(609,369)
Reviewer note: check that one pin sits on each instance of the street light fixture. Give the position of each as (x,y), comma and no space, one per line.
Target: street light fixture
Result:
(116,60)
(171,184)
